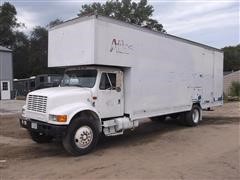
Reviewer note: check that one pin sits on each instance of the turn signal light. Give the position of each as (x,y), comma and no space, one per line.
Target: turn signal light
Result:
(61,118)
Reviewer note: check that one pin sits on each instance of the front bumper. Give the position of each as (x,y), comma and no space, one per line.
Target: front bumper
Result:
(57,131)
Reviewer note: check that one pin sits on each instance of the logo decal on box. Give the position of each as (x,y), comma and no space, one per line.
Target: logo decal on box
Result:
(120,46)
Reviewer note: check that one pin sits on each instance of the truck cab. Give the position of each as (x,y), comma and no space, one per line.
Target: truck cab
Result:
(101,89)
(94,94)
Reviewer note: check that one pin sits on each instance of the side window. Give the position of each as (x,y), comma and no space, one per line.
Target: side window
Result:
(108,81)
(112,77)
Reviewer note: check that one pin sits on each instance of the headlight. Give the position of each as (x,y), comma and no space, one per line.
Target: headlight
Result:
(52,117)
(58,118)
(23,110)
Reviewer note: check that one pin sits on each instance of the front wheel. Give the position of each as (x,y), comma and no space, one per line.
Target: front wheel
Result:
(82,136)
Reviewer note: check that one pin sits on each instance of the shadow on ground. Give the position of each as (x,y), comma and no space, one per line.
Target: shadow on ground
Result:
(147,131)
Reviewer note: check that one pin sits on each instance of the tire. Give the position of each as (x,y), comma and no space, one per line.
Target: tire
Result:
(192,118)
(40,138)
(82,137)
(158,118)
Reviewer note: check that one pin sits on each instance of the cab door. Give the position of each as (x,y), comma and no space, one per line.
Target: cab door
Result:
(110,101)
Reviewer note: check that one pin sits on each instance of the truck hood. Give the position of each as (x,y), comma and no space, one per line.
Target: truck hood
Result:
(59,96)
(60,91)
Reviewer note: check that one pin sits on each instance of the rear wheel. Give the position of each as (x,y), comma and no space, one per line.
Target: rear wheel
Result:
(192,118)
(82,136)
(40,137)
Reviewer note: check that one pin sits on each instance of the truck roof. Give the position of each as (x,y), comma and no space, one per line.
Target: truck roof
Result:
(119,22)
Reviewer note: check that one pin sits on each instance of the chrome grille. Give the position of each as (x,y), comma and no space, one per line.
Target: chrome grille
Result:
(37,103)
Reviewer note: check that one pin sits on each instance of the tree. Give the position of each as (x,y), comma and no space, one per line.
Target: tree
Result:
(231,58)
(21,56)
(126,10)
(13,39)
(8,24)
(29,53)
(54,23)
(38,50)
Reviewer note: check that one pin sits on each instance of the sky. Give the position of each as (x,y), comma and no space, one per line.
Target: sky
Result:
(211,22)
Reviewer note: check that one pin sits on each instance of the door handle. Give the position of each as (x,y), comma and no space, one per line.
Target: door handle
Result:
(119,101)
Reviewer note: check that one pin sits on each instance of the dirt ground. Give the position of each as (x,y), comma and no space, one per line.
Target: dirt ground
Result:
(8,107)
(153,151)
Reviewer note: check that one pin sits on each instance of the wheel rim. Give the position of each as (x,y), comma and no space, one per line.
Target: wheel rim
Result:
(195,115)
(83,137)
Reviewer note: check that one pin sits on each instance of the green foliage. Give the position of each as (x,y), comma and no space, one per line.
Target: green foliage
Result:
(38,50)
(11,38)
(125,10)
(37,53)
(29,53)
(235,89)
(231,58)
(54,23)
(8,22)
(225,97)
(21,55)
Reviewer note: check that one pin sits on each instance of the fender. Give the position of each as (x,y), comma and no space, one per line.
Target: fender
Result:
(71,110)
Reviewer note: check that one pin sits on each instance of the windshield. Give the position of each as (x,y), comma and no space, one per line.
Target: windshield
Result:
(80,78)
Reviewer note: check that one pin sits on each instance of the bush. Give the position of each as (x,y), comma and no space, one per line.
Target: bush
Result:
(235,89)
(225,97)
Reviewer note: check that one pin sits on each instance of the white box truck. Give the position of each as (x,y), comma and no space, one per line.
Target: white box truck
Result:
(116,74)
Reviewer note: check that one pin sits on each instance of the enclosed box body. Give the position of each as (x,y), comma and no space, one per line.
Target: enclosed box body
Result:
(163,74)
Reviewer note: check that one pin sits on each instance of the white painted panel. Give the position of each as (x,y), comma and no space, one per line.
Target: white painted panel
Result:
(218,76)
(115,45)
(162,71)
(72,44)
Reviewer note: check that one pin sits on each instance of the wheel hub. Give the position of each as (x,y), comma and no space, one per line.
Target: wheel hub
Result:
(195,115)
(83,137)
